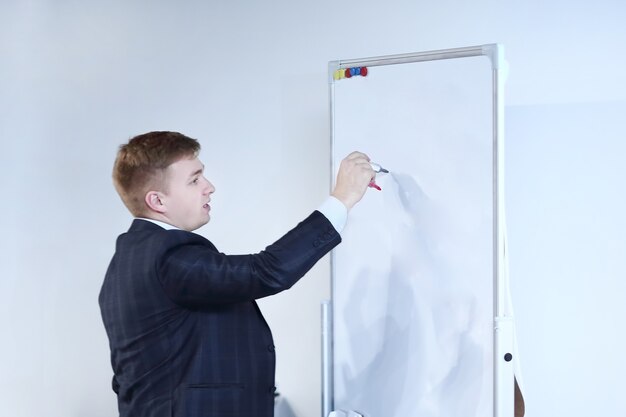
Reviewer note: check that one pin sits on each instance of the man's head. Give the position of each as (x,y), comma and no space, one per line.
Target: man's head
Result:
(158,176)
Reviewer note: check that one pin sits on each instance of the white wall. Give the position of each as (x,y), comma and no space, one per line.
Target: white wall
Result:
(249,80)
(566,226)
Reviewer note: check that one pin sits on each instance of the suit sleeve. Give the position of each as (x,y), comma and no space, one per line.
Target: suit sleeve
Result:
(194,274)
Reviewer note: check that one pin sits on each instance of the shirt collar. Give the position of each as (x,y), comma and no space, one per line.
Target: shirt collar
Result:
(164,225)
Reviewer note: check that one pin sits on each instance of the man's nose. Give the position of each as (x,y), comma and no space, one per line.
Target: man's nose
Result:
(210,189)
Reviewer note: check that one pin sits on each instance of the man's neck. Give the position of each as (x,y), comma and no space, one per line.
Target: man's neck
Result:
(161,223)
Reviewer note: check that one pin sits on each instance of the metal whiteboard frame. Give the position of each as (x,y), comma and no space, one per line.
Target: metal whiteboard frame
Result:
(503,404)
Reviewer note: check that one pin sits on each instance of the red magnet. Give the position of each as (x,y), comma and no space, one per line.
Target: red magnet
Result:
(363,71)
(348,73)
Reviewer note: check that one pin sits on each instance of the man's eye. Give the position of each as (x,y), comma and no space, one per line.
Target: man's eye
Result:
(195,181)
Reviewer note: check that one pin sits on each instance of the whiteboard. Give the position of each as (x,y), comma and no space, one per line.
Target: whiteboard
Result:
(414,280)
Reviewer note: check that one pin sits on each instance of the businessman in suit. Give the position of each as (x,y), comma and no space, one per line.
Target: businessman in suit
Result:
(187,338)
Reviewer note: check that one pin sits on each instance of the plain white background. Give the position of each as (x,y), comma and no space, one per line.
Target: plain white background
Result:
(78,78)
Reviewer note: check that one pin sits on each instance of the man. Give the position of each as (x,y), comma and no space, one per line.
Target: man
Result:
(186,336)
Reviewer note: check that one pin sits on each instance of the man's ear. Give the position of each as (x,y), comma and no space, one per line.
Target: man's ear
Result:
(155,201)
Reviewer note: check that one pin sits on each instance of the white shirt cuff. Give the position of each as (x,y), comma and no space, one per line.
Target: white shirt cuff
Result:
(335,212)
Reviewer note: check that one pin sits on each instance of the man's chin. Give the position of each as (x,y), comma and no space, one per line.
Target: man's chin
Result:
(200,224)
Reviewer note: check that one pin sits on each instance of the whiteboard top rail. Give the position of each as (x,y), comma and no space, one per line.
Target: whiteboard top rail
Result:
(494,51)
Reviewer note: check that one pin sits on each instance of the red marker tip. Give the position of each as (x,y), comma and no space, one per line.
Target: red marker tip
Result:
(374,185)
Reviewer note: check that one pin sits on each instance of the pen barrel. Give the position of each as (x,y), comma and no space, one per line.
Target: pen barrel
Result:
(377,168)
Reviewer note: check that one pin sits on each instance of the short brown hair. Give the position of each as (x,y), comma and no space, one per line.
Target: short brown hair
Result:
(141,163)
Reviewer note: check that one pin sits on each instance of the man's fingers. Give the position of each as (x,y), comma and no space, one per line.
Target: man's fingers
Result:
(357,155)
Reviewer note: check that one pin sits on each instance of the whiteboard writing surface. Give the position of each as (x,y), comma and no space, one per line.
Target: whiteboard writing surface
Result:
(413,280)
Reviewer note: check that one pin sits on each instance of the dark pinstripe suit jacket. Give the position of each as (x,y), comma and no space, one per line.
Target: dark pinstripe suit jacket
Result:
(186,336)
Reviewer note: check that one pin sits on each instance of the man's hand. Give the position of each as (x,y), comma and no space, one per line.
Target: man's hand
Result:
(355,174)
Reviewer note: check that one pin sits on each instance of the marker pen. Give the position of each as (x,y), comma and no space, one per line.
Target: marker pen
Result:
(372,184)
(377,169)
